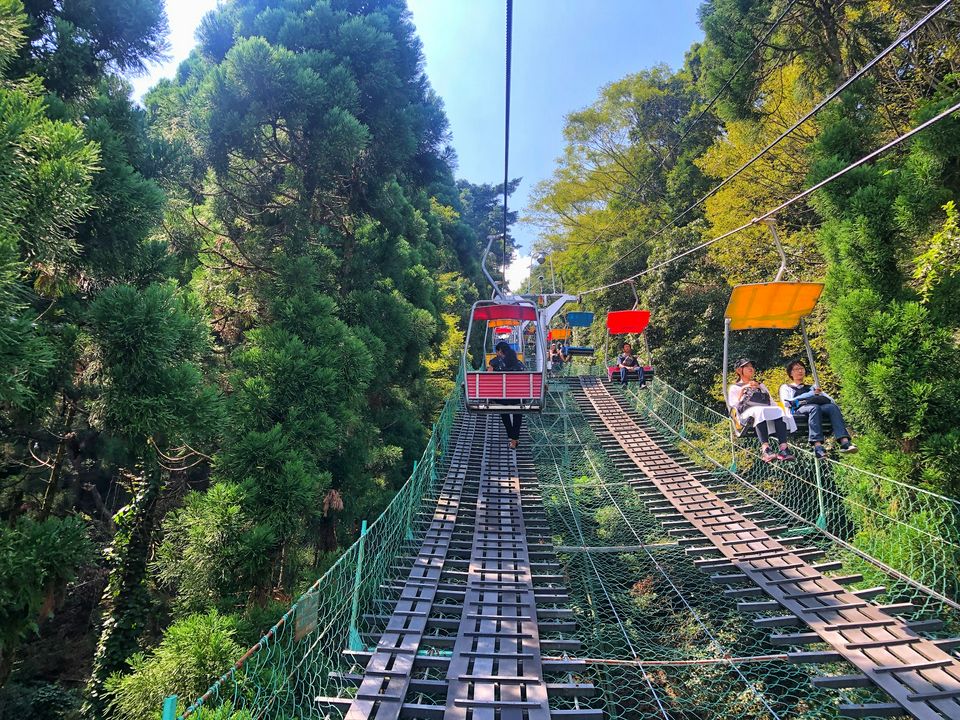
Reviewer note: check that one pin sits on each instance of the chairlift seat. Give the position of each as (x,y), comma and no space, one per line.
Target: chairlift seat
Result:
(614,372)
(505,391)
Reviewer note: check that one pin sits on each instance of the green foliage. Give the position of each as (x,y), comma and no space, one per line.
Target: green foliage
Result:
(37,559)
(149,342)
(213,552)
(193,650)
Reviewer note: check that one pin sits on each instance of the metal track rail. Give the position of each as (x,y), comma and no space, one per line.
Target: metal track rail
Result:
(919,674)
(476,605)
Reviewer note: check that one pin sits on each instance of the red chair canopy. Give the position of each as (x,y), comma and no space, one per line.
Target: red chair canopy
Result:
(505,312)
(621,322)
(504,330)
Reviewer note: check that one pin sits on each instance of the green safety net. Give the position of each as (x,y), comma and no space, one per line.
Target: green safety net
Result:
(660,638)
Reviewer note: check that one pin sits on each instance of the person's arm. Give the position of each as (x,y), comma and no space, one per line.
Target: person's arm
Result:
(786,395)
(733,395)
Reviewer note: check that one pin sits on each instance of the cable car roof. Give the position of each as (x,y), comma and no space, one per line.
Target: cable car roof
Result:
(505,312)
(774,305)
(621,322)
(580,319)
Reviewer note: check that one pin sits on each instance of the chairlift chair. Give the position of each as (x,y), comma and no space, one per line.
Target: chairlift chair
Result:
(507,392)
(503,392)
(579,320)
(777,305)
(628,322)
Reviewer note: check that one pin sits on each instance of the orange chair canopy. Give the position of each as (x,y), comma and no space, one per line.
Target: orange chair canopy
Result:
(621,322)
(505,312)
(559,334)
(775,305)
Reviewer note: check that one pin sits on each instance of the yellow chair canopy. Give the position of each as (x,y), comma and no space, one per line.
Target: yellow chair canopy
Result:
(776,305)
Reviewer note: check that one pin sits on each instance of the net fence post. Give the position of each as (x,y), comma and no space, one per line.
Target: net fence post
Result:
(169,708)
(408,534)
(356,643)
(822,517)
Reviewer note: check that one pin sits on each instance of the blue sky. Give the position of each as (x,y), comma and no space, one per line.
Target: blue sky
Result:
(564,51)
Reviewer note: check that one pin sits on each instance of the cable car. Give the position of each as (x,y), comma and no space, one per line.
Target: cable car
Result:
(505,391)
(777,305)
(628,322)
(517,321)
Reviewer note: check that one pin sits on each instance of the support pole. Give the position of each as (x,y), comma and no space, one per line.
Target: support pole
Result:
(409,533)
(726,401)
(170,708)
(806,344)
(822,517)
(355,641)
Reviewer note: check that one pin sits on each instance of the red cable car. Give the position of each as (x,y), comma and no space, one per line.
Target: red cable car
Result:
(486,390)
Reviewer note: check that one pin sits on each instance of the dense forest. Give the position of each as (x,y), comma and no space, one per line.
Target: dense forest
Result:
(230,314)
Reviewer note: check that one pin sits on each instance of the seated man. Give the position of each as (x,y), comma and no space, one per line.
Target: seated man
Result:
(627,364)
(753,404)
(812,402)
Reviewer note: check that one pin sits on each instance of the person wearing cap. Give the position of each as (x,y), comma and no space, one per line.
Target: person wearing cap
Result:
(754,403)
(815,404)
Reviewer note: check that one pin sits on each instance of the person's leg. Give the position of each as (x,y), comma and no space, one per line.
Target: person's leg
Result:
(815,420)
(623,376)
(507,420)
(780,428)
(763,434)
(839,427)
(767,454)
(517,424)
(640,375)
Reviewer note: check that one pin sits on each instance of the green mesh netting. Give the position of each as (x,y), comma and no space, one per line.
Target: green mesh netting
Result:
(661,639)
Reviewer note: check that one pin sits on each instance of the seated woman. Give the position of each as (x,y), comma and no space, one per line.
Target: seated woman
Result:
(754,405)
(809,400)
(556,358)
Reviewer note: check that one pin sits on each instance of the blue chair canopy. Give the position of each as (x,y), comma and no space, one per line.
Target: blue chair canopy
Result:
(580,319)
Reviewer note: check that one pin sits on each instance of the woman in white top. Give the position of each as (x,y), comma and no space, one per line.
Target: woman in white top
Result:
(754,403)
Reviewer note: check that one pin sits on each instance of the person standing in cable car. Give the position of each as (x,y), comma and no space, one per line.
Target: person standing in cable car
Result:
(810,400)
(506,360)
(753,404)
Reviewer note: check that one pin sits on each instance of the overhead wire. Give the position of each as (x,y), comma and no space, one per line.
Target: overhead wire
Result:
(782,206)
(506,133)
(808,116)
(709,106)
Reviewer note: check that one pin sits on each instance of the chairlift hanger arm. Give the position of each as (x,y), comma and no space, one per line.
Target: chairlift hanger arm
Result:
(550,311)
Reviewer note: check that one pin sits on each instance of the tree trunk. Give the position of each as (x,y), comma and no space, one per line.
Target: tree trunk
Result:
(53,482)
(126,601)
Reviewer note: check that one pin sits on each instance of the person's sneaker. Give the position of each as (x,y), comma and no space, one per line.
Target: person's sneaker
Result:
(768,455)
(820,451)
(847,447)
(785,455)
